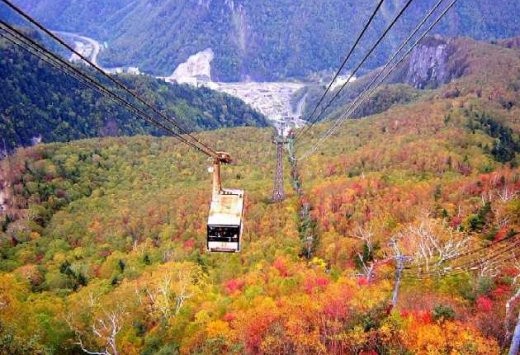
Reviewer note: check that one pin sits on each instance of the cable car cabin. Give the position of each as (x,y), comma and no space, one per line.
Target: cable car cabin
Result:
(225,221)
(225,213)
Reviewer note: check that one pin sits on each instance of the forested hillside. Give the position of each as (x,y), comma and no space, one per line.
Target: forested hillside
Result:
(40,101)
(435,61)
(102,245)
(263,40)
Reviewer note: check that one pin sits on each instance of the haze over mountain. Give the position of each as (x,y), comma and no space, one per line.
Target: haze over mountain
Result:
(262,40)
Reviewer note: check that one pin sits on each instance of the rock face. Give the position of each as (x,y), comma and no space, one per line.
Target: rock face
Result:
(428,64)
(196,68)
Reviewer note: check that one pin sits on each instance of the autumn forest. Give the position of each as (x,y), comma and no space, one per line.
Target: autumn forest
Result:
(400,235)
(414,214)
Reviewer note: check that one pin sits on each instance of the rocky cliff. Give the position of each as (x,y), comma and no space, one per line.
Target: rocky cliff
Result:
(436,61)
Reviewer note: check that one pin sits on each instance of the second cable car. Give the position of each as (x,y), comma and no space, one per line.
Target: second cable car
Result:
(225,221)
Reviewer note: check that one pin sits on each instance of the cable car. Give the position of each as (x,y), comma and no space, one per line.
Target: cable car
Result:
(225,220)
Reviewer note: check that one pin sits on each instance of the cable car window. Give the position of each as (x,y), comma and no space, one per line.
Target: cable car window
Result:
(223,233)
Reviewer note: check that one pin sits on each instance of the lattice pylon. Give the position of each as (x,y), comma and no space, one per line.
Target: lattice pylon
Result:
(278,191)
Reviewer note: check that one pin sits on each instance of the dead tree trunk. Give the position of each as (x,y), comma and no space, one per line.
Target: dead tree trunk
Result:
(400,259)
(398,274)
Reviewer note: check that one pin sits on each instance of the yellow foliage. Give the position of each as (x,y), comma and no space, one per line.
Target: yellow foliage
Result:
(217,329)
(448,337)
(35,235)
(318,262)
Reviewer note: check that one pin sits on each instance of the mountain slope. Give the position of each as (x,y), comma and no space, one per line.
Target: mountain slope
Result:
(261,40)
(435,62)
(41,101)
(112,231)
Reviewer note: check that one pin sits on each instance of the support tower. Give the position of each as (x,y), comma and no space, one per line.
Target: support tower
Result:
(278,191)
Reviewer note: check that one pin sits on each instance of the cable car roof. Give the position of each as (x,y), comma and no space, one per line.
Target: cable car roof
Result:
(226,208)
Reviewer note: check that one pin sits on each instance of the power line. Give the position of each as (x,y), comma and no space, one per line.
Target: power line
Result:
(36,49)
(347,58)
(490,257)
(469,267)
(371,88)
(460,269)
(205,148)
(499,255)
(354,72)
(404,43)
(475,251)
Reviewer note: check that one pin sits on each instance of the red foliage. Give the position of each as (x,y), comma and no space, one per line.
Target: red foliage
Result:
(473,189)
(423,317)
(189,244)
(255,332)
(510,271)
(229,317)
(234,285)
(60,193)
(484,304)
(315,283)
(455,222)
(501,291)
(357,188)
(368,213)
(335,308)
(280,265)
(322,282)
(501,234)
(362,281)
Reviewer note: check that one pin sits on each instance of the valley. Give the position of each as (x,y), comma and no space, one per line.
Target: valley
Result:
(272,99)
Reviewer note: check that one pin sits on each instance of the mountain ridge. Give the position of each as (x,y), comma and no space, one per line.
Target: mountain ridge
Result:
(250,38)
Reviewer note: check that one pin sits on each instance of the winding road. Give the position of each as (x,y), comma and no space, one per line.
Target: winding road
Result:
(87,46)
